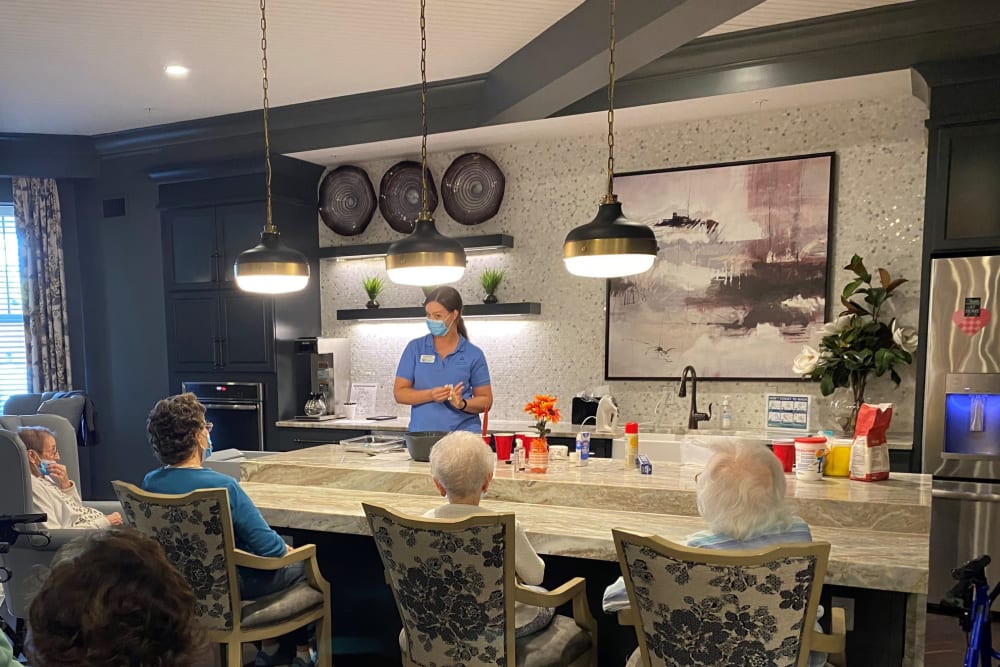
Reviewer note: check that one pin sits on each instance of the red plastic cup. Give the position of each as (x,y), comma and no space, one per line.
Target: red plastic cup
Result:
(785,451)
(504,442)
(488,439)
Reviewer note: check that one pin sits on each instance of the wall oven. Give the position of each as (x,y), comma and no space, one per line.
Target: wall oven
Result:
(236,409)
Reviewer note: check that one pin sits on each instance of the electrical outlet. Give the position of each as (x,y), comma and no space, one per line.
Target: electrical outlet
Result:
(848,606)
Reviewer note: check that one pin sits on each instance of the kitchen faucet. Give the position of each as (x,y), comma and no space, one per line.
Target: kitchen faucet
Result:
(693,416)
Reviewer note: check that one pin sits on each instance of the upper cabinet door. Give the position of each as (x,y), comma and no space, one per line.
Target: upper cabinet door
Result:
(190,238)
(247,328)
(239,226)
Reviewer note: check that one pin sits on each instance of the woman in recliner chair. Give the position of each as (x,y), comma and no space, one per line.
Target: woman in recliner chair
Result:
(52,490)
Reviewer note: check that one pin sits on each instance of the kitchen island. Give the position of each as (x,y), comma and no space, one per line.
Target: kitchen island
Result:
(878,531)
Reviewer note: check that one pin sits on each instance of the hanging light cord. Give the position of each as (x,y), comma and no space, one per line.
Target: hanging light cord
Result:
(268,225)
(424,212)
(610,196)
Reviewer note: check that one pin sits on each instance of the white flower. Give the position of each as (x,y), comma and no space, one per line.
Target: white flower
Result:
(806,361)
(838,325)
(905,337)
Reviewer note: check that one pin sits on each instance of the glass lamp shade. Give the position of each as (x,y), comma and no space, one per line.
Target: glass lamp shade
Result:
(271,267)
(609,246)
(425,257)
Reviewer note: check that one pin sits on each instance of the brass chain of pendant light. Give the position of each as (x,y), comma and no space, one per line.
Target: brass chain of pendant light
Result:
(610,195)
(268,225)
(424,212)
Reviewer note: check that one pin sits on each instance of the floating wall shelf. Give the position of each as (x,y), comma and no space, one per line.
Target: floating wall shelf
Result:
(487,243)
(417,313)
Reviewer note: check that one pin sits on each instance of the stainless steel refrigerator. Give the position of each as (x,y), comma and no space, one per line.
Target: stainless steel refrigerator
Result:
(961,427)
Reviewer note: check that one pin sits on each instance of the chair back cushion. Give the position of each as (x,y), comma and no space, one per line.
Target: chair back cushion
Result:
(15,476)
(453,583)
(65,438)
(705,607)
(196,532)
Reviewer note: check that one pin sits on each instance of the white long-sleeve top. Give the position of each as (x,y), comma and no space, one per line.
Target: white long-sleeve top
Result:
(64,508)
(527,563)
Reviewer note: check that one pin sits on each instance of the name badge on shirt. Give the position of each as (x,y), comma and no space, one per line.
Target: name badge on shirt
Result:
(427,358)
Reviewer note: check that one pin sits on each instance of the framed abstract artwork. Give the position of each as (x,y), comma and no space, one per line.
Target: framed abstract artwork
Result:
(740,279)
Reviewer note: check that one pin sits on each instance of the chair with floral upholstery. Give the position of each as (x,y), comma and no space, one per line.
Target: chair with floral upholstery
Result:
(706,607)
(453,581)
(196,531)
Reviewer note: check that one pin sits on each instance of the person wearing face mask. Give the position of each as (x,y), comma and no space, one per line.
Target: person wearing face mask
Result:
(181,439)
(442,376)
(52,491)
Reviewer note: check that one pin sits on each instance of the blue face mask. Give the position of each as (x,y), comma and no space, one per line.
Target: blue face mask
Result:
(208,450)
(43,467)
(437,327)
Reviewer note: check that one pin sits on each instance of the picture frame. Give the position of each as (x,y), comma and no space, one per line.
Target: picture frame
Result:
(787,412)
(741,276)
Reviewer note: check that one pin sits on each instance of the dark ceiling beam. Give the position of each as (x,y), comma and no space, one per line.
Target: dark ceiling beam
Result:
(882,39)
(455,104)
(570,59)
(889,38)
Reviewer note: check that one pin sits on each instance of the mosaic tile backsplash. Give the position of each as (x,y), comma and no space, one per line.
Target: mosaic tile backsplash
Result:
(555,185)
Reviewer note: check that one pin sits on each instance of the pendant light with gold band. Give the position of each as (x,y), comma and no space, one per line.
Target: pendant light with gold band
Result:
(270,267)
(610,246)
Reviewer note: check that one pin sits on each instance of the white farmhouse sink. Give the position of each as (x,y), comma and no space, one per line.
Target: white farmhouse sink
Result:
(688,448)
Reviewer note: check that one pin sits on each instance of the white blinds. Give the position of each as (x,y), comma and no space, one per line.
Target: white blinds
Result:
(13,365)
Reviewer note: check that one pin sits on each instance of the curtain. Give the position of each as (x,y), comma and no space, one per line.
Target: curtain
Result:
(43,283)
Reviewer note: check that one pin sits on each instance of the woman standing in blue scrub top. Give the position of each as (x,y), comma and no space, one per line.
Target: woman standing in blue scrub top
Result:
(442,375)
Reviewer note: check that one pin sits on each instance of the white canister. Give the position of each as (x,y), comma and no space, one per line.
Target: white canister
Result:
(809,454)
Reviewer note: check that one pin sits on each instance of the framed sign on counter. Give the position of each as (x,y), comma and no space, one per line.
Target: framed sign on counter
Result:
(363,394)
(787,412)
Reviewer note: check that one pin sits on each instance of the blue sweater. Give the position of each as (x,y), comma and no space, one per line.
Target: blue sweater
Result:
(252,532)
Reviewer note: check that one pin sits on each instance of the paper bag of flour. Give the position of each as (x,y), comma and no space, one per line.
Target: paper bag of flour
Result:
(870,453)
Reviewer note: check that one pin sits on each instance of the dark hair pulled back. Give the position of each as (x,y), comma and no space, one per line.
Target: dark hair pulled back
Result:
(451,300)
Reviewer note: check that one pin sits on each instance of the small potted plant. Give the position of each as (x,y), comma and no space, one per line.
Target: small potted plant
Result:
(374,286)
(490,279)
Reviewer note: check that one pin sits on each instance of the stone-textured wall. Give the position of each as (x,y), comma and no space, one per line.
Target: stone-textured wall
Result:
(555,185)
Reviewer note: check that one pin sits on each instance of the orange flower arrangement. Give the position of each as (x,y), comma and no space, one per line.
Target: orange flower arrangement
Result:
(544,410)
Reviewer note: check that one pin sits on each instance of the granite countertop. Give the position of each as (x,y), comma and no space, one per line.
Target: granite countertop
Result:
(563,429)
(898,505)
(861,558)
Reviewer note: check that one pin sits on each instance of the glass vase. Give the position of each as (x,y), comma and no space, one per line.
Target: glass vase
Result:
(538,455)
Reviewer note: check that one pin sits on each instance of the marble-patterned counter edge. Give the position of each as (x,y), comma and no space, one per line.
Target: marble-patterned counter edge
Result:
(901,504)
(859,558)
(902,441)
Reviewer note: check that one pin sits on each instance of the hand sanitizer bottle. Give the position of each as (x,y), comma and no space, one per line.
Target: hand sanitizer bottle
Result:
(727,416)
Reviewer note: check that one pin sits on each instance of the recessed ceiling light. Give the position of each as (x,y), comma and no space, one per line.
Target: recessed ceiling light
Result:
(177,71)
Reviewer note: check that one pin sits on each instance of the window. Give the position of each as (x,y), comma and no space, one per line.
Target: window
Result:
(13,362)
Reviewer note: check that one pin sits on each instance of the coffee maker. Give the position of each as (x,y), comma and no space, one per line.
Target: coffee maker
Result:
(329,371)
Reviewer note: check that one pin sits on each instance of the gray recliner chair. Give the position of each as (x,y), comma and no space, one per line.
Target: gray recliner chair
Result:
(28,558)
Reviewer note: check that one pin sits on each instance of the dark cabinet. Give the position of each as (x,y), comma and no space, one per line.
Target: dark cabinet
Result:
(203,243)
(972,214)
(228,331)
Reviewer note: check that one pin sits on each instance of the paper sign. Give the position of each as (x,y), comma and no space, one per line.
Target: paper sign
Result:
(364,395)
(970,325)
(787,412)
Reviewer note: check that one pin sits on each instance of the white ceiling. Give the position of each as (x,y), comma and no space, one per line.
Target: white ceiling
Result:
(819,92)
(96,66)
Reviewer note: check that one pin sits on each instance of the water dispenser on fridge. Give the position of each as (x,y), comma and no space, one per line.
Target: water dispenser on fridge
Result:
(961,416)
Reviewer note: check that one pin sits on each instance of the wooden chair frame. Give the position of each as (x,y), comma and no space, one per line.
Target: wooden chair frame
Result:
(574,590)
(233,639)
(832,644)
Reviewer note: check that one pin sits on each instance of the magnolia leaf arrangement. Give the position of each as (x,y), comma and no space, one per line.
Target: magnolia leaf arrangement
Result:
(858,343)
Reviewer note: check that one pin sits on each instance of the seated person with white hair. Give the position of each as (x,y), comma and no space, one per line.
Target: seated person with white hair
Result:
(462,469)
(741,496)
(52,491)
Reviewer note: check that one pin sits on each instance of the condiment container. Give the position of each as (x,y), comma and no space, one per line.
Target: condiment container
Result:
(809,454)
(838,458)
